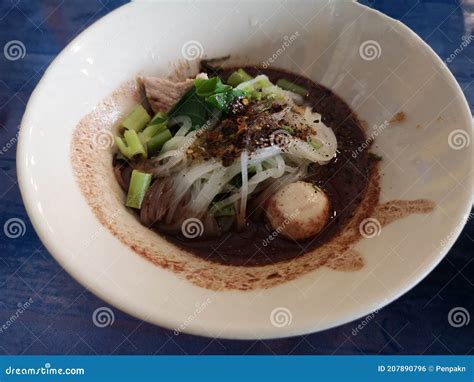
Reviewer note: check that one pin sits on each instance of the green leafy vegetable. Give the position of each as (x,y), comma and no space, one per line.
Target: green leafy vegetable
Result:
(156,125)
(139,183)
(159,118)
(130,145)
(222,101)
(192,106)
(155,144)
(217,94)
(292,87)
(137,119)
(214,85)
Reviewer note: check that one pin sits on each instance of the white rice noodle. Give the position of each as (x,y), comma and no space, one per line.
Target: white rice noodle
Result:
(244,189)
(185,123)
(280,183)
(323,134)
(162,165)
(207,193)
(190,180)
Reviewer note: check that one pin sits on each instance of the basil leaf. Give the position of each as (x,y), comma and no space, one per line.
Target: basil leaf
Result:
(192,106)
(214,85)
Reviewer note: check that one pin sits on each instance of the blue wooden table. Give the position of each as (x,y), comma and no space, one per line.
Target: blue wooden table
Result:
(44,311)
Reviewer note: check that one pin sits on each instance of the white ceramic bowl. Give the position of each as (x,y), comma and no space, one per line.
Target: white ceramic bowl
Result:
(374,63)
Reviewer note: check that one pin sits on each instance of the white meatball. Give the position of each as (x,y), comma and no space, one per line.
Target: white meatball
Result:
(298,211)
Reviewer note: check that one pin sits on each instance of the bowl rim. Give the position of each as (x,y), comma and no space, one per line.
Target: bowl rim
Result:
(55,249)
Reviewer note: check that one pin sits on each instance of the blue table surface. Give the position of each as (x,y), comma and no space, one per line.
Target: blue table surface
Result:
(59,320)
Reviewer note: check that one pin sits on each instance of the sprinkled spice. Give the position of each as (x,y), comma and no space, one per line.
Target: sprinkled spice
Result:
(249,126)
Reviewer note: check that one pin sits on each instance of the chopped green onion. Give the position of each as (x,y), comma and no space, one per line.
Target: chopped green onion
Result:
(130,145)
(151,130)
(137,119)
(292,87)
(155,144)
(139,183)
(238,77)
(158,119)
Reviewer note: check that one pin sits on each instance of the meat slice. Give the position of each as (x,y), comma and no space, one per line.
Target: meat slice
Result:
(162,94)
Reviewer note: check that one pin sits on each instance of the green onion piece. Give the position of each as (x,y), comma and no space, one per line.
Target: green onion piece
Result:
(137,119)
(158,119)
(222,101)
(316,144)
(228,210)
(151,130)
(130,145)
(238,77)
(139,183)
(292,87)
(213,85)
(155,144)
